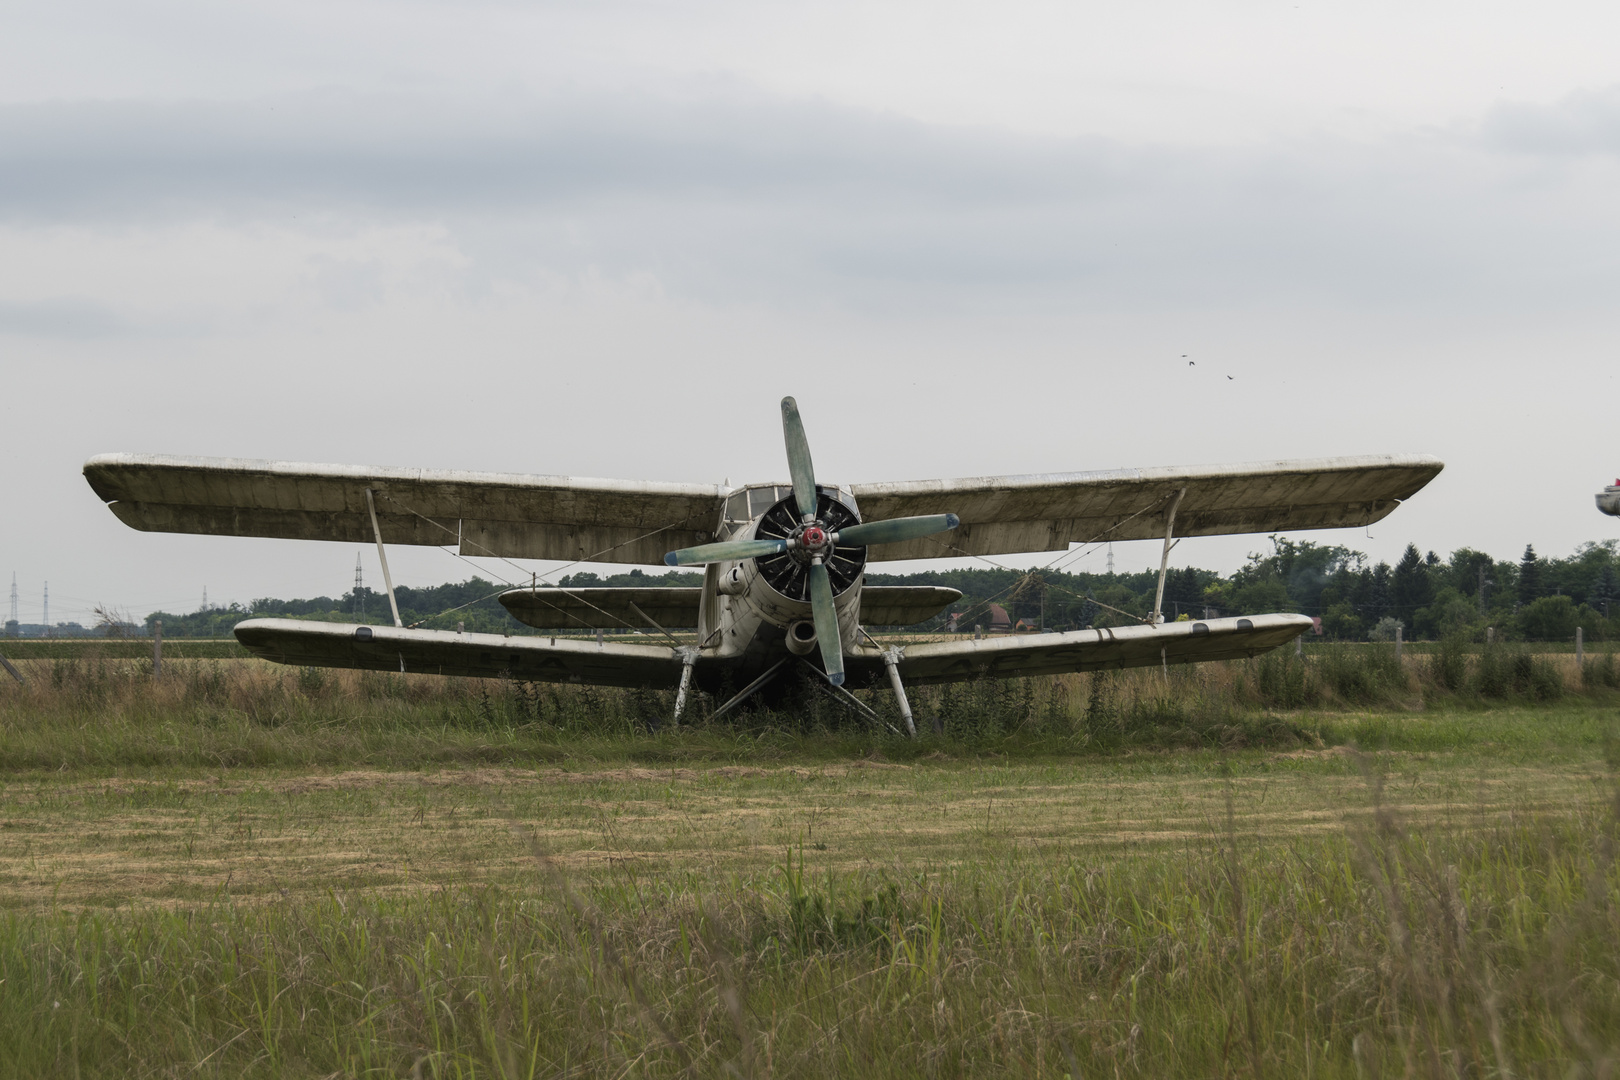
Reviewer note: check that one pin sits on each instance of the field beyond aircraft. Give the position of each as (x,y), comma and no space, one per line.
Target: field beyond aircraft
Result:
(783,563)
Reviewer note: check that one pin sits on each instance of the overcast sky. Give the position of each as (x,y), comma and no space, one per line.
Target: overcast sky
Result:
(603,239)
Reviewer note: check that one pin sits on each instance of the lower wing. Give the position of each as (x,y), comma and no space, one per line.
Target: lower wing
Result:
(1091,650)
(444,652)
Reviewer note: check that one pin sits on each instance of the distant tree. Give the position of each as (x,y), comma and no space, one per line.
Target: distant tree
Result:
(1304,568)
(1184,593)
(1375,602)
(1550,618)
(1530,587)
(1260,598)
(1466,569)
(1340,622)
(1605,591)
(1410,586)
(1581,574)
(1451,614)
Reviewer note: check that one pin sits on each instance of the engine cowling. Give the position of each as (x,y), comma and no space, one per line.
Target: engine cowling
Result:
(788,573)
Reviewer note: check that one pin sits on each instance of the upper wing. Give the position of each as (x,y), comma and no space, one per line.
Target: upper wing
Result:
(1087,650)
(443,652)
(1048,512)
(507,514)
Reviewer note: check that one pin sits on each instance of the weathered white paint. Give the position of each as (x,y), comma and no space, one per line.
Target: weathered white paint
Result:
(508,514)
(1089,650)
(1009,514)
(558,517)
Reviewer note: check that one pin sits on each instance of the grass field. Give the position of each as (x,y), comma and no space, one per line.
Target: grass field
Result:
(252,871)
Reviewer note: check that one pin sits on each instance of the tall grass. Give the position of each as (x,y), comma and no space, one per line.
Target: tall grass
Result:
(1386,949)
(111,714)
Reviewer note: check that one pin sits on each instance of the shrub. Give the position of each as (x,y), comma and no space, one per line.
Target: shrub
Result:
(1448,664)
(1286,681)
(1385,629)
(1363,674)
(1600,671)
(1551,618)
(1503,671)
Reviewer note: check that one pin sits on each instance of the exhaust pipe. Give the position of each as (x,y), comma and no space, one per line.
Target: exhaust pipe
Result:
(801,637)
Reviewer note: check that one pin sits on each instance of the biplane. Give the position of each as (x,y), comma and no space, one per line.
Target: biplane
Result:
(783,563)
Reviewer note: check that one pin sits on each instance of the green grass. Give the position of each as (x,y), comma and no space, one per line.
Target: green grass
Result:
(110,716)
(249,871)
(94,649)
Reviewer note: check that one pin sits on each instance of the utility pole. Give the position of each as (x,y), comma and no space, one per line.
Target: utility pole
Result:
(359,582)
(1110,557)
(12,624)
(1482,584)
(46,618)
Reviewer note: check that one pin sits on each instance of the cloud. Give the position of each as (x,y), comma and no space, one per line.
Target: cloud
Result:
(70,318)
(110,157)
(734,193)
(1587,122)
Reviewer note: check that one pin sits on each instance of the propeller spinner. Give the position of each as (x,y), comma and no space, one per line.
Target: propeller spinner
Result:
(813,541)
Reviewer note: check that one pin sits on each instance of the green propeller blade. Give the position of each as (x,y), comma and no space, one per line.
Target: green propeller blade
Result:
(895,530)
(826,618)
(798,455)
(725,551)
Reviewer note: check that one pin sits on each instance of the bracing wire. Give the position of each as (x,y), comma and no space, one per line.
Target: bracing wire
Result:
(534,577)
(1056,564)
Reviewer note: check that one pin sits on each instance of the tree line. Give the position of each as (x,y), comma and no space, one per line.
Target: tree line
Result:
(1533,598)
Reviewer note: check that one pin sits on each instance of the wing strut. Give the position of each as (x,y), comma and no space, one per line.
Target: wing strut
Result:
(891,660)
(382,557)
(1164,559)
(689,657)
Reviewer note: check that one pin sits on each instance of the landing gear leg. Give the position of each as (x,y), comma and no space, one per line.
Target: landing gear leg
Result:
(891,660)
(688,658)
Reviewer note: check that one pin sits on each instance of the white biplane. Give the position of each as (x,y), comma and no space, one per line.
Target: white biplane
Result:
(784,563)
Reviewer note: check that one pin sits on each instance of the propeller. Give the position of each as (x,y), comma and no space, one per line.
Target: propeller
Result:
(725,551)
(895,530)
(813,540)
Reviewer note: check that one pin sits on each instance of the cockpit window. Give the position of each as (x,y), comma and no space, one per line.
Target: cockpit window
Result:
(750,503)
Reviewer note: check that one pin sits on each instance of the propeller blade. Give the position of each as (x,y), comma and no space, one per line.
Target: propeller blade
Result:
(798,455)
(826,618)
(895,530)
(724,551)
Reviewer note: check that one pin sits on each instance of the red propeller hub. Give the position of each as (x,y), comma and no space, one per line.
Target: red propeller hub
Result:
(813,537)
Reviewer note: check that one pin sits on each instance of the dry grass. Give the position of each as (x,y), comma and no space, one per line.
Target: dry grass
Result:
(237,873)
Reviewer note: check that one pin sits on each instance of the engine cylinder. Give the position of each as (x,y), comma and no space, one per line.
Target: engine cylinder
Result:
(801,637)
(732,583)
(788,573)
